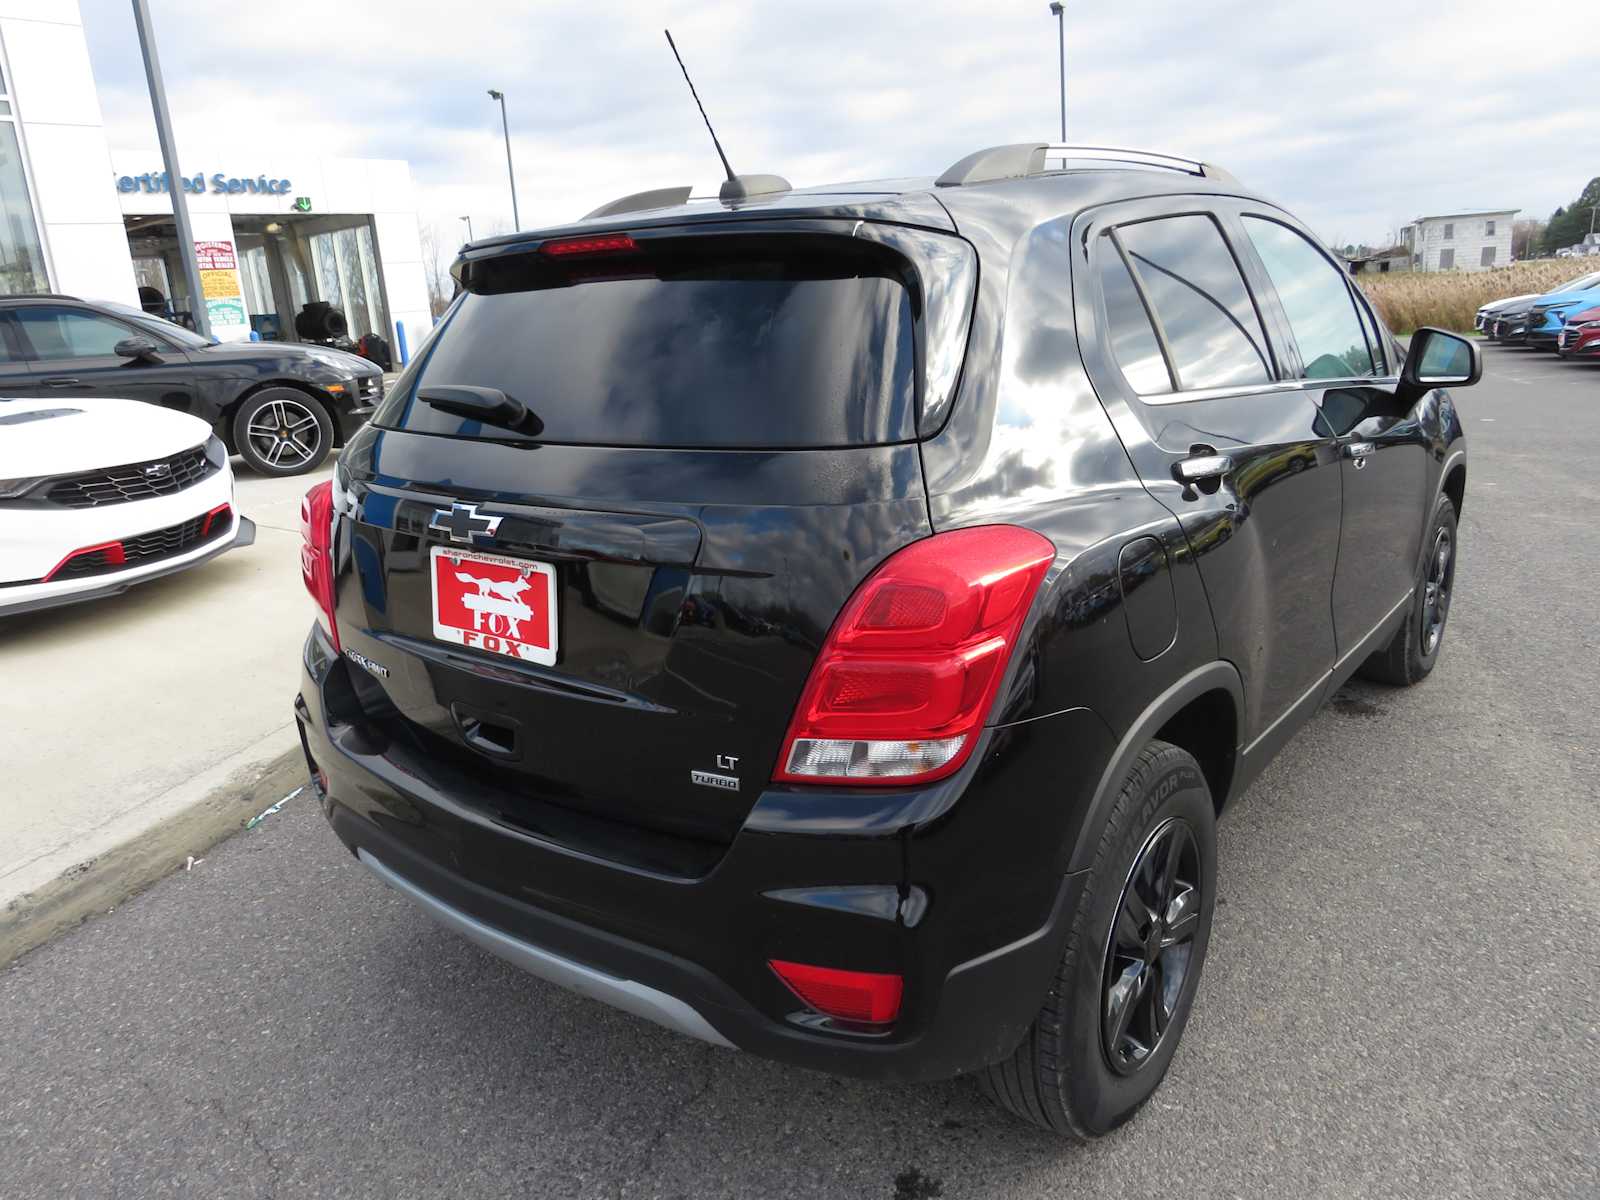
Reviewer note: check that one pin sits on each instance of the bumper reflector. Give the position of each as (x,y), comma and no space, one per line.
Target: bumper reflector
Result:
(865,997)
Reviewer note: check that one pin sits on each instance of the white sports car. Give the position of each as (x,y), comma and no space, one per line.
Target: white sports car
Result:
(98,495)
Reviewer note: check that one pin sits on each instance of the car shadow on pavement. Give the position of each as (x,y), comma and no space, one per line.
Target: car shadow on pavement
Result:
(681,1116)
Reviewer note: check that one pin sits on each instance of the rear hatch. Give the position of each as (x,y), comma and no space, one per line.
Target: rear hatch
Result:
(609,610)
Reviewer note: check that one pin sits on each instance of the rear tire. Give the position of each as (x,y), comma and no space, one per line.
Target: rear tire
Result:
(282,431)
(1414,649)
(1079,1072)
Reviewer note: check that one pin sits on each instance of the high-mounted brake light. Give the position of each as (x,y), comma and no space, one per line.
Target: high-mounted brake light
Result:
(865,997)
(616,243)
(909,671)
(316,553)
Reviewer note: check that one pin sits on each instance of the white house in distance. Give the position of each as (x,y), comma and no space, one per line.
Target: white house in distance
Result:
(1473,240)
(273,231)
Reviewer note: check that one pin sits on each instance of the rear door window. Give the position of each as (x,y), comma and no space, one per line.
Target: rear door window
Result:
(691,342)
(1210,324)
(1128,330)
(1317,301)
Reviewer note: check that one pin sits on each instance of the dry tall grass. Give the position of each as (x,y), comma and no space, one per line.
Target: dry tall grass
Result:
(1450,299)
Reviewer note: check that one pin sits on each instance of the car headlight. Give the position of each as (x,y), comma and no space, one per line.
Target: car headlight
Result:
(333,358)
(216,451)
(12,489)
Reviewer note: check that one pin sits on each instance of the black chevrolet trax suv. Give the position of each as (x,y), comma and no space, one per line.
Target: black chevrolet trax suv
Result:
(829,622)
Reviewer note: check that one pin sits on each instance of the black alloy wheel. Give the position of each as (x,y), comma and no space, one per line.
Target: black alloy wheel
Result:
(1115,1011)
(1436,589)
(1415,646)
(1150,947)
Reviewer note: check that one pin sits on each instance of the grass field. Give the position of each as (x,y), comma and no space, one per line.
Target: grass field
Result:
(1450,299)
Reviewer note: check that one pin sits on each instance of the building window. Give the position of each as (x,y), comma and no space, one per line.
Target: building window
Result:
(1488,229)
(21,253)
(346,265)
(1487,260)
(1449,230)
(1447,259)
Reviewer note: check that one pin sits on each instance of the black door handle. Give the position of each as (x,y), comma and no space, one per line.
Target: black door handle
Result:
(60,381)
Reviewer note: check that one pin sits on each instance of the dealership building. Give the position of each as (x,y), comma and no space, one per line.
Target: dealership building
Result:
(274,234)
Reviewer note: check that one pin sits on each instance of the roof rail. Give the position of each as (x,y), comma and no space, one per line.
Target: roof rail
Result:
(654,198)
(1022,159)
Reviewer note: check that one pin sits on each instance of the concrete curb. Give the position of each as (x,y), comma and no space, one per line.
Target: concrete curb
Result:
(127,855)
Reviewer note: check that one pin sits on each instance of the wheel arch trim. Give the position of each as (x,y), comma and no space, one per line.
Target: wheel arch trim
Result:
(311,390)
(1457,458)
(1211,677)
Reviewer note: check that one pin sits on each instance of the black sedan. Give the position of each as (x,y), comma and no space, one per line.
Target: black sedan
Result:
(281,406)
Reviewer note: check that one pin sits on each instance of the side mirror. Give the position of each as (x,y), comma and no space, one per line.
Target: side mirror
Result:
(140,348)
(1441,359)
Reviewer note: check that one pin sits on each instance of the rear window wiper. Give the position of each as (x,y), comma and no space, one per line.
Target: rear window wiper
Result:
(489,405)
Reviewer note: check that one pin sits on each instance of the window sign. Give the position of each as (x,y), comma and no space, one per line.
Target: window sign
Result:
(219,285)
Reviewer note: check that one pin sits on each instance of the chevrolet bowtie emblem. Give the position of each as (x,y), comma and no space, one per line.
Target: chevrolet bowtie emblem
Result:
(462,523)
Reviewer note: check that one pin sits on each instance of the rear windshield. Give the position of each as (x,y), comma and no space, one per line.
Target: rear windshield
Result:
(695,342)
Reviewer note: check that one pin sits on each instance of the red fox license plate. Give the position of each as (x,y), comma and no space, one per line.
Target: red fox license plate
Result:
(494,603)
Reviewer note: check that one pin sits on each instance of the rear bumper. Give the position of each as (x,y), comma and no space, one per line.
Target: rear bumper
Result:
(970,906)
(626,994)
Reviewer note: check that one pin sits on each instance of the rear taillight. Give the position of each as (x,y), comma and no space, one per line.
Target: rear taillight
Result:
(864,997)
(316,553)
(910,669)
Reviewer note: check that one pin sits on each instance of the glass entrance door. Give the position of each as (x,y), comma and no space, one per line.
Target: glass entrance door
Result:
(21,253)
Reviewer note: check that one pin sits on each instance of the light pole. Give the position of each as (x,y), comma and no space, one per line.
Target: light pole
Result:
(516,221)
(1060,11)
(169,159)
(468,220)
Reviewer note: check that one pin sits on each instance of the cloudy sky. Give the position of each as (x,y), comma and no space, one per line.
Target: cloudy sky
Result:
(1349,115)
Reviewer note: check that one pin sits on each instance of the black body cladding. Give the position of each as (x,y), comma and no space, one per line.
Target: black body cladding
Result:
(697,579)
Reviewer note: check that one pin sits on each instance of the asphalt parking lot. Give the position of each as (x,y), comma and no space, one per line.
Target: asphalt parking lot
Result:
(1399,998)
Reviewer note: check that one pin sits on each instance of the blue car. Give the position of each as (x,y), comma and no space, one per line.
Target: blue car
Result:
(1549,312)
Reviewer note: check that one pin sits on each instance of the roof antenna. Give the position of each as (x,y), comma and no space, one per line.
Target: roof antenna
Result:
(737,187)
(698,105)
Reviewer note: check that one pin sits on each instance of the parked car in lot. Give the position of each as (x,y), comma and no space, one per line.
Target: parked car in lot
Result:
(1512,311)
(829,622)
(281,406)
(1580,335)
(1541,324)
(98,496)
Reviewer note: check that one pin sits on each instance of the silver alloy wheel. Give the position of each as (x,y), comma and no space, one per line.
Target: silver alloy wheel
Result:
(285,434)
